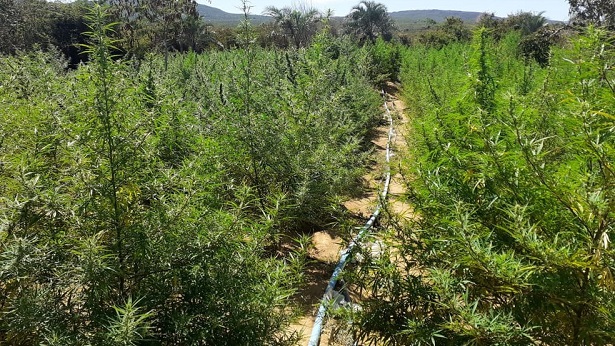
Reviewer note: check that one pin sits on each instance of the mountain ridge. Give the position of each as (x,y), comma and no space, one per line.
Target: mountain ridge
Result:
(217,16)
(437,15)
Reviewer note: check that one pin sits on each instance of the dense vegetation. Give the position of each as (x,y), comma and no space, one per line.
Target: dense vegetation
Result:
(511,175)
(145,202)
(148,194)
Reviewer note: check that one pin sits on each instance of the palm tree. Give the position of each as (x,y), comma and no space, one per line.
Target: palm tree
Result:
(369,20)
(526,22)
(298,24)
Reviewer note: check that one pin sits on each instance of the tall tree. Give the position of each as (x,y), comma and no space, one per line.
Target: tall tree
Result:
(369,20)
(489,20)
(298,24)
(157,24)
(24,24)
(599,12)
(36,24)
(455,28)
(526,22)
(8,25)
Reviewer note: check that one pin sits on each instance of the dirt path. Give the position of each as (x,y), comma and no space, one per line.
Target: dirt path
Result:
(326,245)
(397,188)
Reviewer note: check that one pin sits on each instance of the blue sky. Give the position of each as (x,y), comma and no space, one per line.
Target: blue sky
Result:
(554,9)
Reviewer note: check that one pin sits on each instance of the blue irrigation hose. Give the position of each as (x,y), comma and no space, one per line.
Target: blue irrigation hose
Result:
(322,309)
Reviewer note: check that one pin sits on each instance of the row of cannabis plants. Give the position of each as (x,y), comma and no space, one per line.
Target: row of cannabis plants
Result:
(510,171)
(144,203)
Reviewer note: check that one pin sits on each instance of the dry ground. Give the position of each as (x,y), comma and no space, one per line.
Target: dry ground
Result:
(326,245)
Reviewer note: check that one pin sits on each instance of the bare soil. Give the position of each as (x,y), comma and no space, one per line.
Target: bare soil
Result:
(326,245)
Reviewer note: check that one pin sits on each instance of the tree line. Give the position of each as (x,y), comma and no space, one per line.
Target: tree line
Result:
(157,26)
(160,26)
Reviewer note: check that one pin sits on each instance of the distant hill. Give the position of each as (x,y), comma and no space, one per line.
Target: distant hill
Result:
(437,15)
(217,16)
